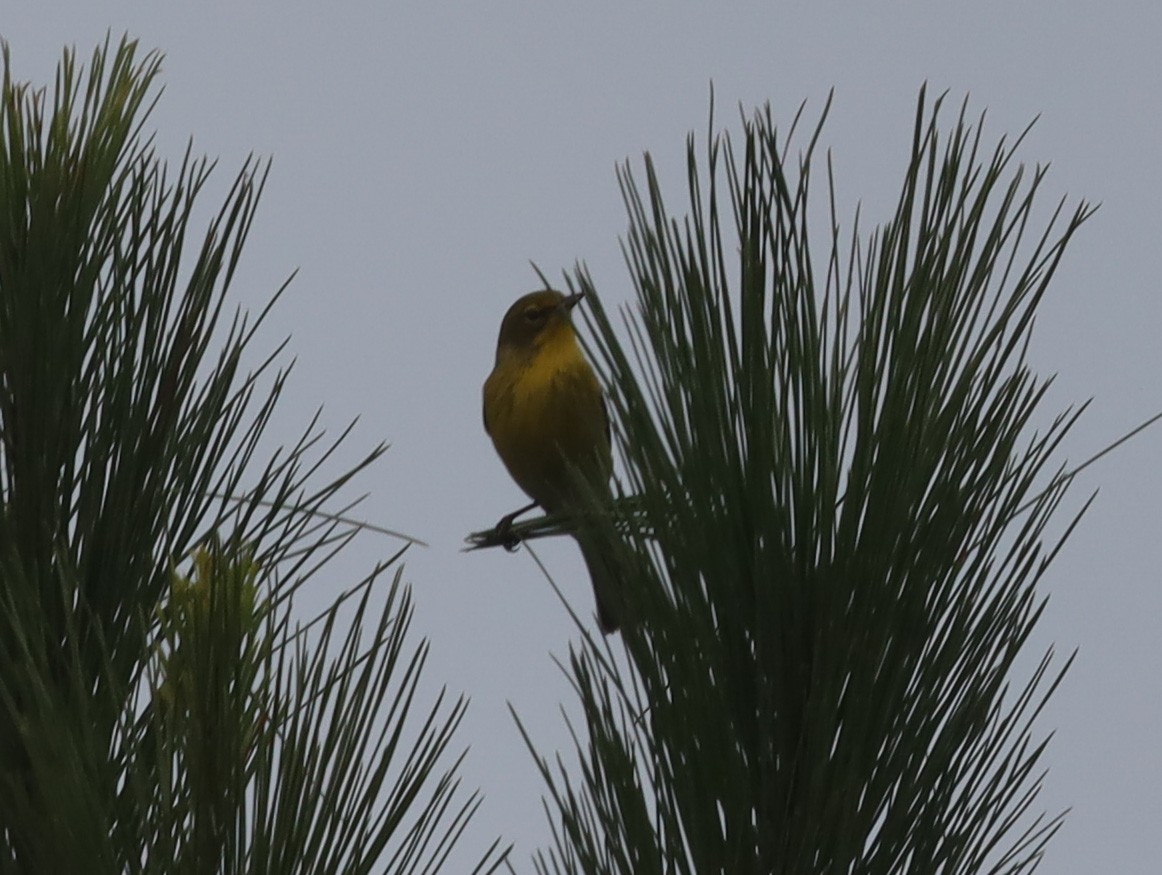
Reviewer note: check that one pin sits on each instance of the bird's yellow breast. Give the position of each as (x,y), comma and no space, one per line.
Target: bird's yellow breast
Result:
(545,414)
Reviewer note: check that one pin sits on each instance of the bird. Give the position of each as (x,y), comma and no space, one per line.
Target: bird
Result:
(545,412)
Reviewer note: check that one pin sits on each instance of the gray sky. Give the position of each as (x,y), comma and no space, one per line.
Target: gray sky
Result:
(424,152)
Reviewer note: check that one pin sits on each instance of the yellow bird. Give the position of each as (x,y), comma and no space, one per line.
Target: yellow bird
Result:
(545,413)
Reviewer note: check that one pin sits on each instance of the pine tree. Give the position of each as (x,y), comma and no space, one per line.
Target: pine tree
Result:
(162,706)
(838,513)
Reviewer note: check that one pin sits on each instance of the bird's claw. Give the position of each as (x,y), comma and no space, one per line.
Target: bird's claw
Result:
(504,532)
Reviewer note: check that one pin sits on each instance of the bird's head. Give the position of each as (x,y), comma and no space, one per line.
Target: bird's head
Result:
(536,319)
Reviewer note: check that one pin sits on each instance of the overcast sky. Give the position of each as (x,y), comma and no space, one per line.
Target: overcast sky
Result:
(425,152)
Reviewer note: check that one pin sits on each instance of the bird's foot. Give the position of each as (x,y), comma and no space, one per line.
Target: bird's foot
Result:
(504,528)
(504,532)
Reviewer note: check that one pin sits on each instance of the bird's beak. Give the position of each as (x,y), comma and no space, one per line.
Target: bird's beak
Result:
(570,302)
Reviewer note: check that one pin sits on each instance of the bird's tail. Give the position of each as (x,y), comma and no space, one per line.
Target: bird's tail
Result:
(606,585)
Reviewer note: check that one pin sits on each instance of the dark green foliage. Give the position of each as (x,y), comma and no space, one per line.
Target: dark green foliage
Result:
(825,553)
(162,708)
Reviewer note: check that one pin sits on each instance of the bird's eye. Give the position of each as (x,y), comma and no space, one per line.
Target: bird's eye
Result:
(533,314)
